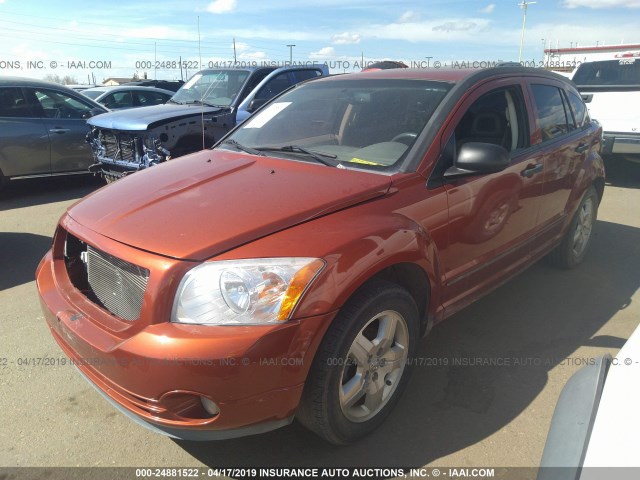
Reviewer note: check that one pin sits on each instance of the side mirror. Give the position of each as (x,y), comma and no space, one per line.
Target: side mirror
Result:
(255,104)
(475,158)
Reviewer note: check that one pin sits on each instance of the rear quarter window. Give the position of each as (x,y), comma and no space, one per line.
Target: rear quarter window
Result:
(579,110)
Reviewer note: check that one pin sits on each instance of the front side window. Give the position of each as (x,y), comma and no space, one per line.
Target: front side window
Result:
(118,100)
(150,98)
(273,87)
(368,123)
(552,117)
(60,105)
(13,103)
(498,117)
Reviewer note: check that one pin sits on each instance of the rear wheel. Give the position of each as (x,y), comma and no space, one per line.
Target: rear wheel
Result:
(361,367)
(574,245)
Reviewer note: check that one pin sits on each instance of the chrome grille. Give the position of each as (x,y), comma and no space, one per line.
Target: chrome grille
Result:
(117,285)
(120,146)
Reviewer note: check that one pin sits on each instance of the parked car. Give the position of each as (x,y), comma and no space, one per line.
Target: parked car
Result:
(43,129)
(596,420)
(210,104)
(290,271)
(117,98)
(611,90)
(79,88)
(173,85)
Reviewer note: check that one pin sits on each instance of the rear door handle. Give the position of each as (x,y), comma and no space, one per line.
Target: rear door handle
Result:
(583,147)
(531,170)
(58,130)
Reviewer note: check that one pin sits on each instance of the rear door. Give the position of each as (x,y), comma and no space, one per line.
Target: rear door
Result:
(563,147)
(24,141)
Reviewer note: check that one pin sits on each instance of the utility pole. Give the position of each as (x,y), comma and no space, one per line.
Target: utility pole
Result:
(524,5)
(290,53)
(235,59)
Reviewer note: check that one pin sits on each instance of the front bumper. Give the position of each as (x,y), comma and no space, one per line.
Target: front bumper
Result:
(157,372)
(621,142)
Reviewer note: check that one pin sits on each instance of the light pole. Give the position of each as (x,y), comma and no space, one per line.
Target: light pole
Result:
(290,53)
(524,5)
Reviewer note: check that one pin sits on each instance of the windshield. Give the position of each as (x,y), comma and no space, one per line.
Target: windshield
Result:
(365,123)
(212,87)
(623,72)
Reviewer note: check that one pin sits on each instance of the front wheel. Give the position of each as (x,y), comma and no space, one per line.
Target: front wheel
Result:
(362,364)
(575,243)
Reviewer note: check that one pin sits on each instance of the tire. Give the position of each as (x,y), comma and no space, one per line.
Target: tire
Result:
(353,386)
(575,243)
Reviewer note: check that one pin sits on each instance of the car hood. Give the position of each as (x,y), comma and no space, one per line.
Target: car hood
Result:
(143,118)
(206,203)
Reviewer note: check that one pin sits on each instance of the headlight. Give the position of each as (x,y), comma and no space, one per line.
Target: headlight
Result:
(246,292)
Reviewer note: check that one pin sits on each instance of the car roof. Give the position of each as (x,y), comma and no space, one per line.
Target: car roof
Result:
(456,75)
(27,82)
(115,88)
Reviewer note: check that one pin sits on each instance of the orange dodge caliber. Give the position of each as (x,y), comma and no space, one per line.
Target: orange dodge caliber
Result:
(290,271)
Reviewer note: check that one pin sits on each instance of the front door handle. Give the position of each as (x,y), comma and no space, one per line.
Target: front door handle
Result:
(583,147)
(531,170)
(58,130)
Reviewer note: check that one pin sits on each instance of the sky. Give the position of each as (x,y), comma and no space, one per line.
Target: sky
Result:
(122,38)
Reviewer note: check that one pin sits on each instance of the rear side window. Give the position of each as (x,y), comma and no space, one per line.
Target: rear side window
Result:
(13,103)
(579,109)
(552,116)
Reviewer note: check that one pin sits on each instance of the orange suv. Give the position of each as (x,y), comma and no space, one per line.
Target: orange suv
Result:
(290,271)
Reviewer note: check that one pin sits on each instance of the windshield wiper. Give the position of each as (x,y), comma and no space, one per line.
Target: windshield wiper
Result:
(245,149)
(318,156)
(201,102)
(171,100)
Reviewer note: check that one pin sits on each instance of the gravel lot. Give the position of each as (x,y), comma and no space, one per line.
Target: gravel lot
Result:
(546,322)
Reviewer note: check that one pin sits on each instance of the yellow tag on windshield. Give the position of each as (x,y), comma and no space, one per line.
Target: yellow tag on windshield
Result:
(364,162)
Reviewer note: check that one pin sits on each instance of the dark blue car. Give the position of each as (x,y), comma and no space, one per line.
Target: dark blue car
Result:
(203,110)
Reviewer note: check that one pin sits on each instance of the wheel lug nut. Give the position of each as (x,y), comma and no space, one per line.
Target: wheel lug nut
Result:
(388,382)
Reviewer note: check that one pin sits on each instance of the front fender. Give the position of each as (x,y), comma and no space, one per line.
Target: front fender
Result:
(353,255)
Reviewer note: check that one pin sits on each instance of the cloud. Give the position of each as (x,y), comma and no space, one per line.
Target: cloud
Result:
(253,56)
(159,32)
(323,53)
(444,30)
(409,16)
(601,4)
(241,47)
(345,38)
(458,26)
(489,8)
(221,6)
